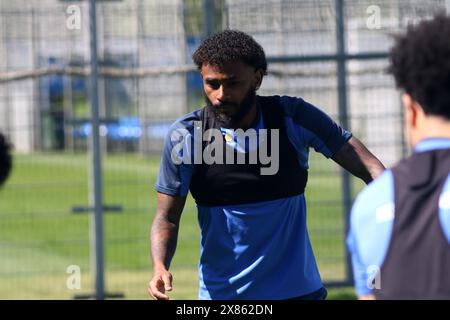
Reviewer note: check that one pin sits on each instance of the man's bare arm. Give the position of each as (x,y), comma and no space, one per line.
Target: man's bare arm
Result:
(163,239)
(358,160)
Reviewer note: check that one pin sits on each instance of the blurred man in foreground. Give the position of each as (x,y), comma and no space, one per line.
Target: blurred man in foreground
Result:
(400,224)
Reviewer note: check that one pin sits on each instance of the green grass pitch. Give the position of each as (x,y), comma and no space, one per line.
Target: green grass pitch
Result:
(40,238)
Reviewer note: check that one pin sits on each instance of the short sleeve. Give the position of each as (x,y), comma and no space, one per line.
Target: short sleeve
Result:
(175,172)
(317,130)
(371,225)
(360,276)
(444,209)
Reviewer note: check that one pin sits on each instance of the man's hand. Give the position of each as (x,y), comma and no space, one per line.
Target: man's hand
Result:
(160,283)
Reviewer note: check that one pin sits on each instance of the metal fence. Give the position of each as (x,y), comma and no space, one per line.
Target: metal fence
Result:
(74,217)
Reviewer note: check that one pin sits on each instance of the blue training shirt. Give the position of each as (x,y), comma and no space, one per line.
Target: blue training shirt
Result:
(259,250)
(372,220)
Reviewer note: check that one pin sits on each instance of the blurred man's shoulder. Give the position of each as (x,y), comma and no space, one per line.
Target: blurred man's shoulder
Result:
(376,196)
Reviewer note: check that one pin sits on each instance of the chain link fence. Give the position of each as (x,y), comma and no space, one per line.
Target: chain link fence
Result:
(333,53)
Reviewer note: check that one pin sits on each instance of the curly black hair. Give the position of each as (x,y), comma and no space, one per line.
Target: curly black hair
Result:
(420,63)
(230,45)
(5,159)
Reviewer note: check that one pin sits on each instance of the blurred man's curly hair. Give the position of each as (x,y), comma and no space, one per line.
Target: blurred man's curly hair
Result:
(420,63)
(230,45)
(5,159)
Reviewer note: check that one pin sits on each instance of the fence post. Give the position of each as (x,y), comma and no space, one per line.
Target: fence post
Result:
(208,17)
(343,119)
(96,169)
(35,132)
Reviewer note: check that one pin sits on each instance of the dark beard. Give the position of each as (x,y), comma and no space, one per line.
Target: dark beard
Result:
(232,120)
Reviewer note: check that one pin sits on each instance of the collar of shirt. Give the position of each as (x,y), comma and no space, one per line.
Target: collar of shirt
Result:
(259,125)
(432,144)
(241,146)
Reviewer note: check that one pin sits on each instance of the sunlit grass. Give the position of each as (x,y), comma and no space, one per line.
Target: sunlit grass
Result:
(40,237)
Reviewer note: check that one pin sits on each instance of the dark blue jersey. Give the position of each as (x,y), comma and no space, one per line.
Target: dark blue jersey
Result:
(257,250)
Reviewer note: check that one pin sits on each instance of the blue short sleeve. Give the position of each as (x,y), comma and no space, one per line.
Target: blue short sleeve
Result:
(444,209)
(315,128)
(175,172)
(371,225)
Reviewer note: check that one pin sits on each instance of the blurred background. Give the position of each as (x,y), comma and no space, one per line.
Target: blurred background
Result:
(333,53)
